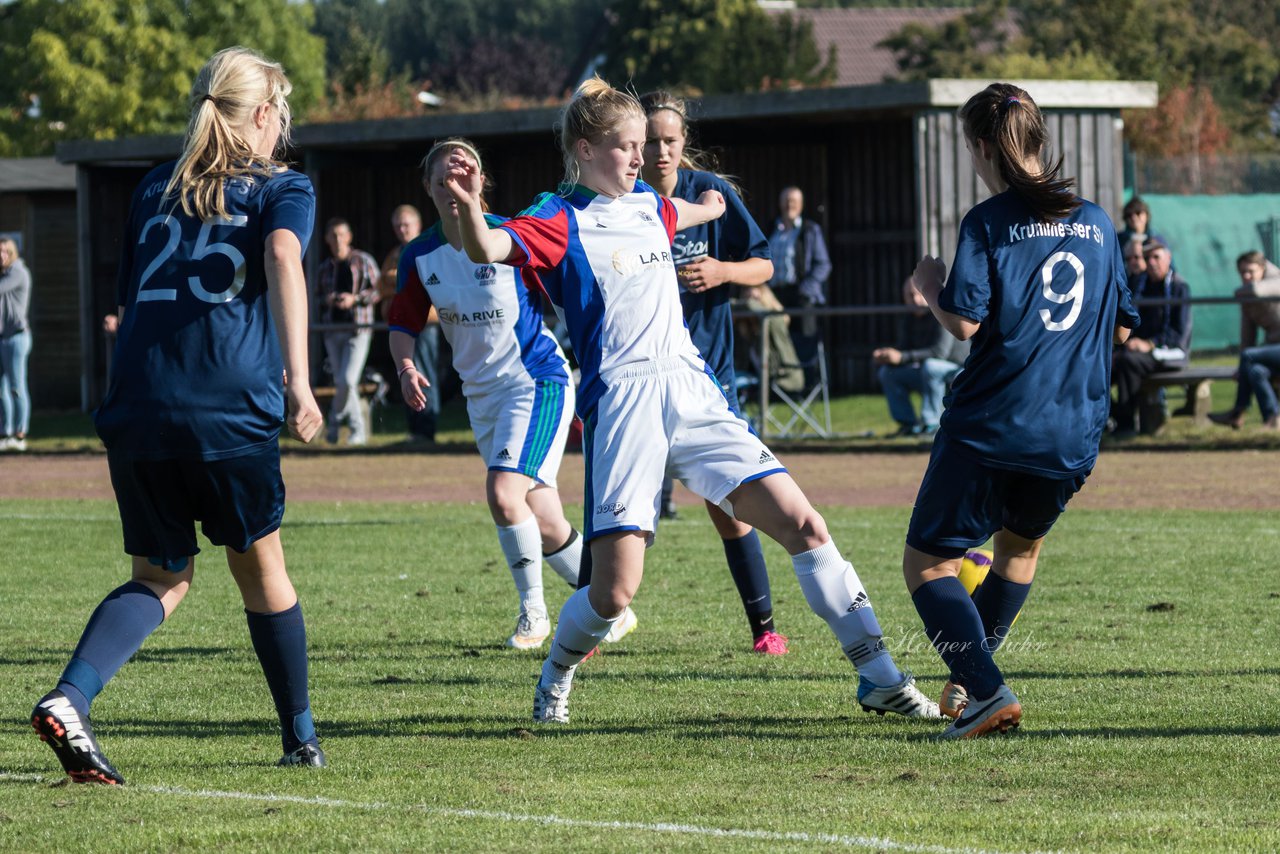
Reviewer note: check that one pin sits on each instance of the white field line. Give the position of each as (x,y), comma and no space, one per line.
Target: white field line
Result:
(815,838)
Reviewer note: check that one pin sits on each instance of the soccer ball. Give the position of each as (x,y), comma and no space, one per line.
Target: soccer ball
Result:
(974,568)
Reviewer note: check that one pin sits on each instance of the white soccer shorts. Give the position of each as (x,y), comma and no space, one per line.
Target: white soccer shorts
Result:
(523,429)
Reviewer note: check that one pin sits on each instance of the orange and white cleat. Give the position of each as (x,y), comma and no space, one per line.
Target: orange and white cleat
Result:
(999,713)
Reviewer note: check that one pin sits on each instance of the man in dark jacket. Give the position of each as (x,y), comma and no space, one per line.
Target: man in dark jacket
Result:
(930,359)
(1162,340)
(801,266)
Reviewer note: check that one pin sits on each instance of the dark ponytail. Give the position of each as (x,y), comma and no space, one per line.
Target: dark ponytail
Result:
(1005,118)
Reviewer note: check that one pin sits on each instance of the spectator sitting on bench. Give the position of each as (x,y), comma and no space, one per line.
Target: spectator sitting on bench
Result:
(930,360)
(1162,339)
(1259,365)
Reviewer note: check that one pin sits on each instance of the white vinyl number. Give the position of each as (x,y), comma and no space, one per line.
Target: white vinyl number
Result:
(203,249)
(1072,296)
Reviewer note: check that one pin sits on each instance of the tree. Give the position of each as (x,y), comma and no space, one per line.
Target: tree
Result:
(711,46)
(100,69)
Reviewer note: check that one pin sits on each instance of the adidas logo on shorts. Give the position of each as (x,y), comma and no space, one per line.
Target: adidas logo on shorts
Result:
(859,602)
(503,455)
(433,280)
(766,457)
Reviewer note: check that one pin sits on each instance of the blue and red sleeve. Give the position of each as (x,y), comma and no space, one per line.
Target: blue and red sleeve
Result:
(412,305)
(541,236)
(667,211)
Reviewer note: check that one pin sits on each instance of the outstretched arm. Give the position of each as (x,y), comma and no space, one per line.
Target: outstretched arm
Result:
(287,291)
(929,277)
(709,206)
(481,243)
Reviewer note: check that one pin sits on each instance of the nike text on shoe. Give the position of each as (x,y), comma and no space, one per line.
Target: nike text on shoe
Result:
(1000,712)
(304,755)
(550,705)
(902,699)
(71,737)
(623,626)
(954,699)
(771,643)
(531,631)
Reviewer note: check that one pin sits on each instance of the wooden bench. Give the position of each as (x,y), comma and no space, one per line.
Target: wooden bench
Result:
(1196,380)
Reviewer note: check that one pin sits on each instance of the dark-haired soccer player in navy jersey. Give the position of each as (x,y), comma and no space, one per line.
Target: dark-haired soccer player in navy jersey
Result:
(213,309)
(1039,284)
(710,259)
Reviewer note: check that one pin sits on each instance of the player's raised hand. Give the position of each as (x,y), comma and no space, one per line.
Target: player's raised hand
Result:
(713,200)
(462,178)
(412,385)
(929,276)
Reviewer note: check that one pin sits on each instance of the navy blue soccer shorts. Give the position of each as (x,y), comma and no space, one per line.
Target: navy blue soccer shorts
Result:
(237,501)
(963,502)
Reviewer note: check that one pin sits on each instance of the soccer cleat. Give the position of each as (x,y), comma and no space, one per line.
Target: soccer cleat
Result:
(550,705)
(999,713)
(623,626)
(531,631)
(305,754)
(771,643)
(953,700)
(902,699)
(71,737)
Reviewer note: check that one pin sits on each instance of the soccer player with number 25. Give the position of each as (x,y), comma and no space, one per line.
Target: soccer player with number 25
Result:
(213,312)
(1039,284)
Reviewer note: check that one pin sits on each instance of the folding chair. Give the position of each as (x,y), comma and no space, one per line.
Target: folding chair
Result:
(809,410)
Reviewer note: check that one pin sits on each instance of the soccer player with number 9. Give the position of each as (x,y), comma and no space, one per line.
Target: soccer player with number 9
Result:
(1039,284)
(213,313)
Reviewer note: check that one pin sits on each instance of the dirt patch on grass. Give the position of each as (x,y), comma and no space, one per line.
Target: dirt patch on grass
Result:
(1218,480)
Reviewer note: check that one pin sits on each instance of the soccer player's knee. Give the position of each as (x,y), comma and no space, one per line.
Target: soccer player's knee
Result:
(608,602)
(810,529)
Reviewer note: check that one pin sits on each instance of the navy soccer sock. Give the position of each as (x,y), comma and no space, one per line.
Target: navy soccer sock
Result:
(746,565)
(280,640)
(952,623)
(998,601)
(584,568)
(115,631)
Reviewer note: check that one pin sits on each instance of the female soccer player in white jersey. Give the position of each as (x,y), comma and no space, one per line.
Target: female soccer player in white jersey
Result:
(1039,284)
(647,399)
(710,259)
(213,312)
(516,381)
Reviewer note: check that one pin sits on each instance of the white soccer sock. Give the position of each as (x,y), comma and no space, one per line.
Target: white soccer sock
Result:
(568,560)
(522,546)
(579,631)
(835,593)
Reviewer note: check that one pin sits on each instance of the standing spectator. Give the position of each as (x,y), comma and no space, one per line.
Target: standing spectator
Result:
(1162,338)
(1259,365)
(1137,222)
(801,266)
(15,346)
(406,222)
(347,291)
(927,366)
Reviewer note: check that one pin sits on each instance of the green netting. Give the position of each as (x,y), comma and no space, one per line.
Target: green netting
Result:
(1207,234)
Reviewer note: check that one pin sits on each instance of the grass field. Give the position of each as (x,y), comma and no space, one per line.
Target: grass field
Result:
(1145,662)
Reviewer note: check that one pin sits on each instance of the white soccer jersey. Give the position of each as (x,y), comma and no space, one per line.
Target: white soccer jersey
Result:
(606,265)
(491,319)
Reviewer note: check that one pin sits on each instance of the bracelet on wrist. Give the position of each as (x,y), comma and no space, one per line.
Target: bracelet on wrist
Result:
(400,373)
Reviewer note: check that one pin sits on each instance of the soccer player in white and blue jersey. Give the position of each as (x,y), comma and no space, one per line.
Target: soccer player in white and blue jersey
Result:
(213,313)
(648,401)
(515,379)
(1039,284)
(710,259)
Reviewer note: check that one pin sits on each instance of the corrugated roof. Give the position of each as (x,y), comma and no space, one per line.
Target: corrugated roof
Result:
(856,34)
(35,174)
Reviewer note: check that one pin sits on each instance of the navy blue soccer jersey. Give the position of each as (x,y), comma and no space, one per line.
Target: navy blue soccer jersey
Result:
(1035,390)
(733,237)
(197,372)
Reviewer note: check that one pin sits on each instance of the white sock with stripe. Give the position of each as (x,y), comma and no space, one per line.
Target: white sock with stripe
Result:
(579,631)
(522,547)
(835,593)
(567,560)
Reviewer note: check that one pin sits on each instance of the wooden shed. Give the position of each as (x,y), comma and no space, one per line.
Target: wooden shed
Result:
(883,169)
(38,209)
